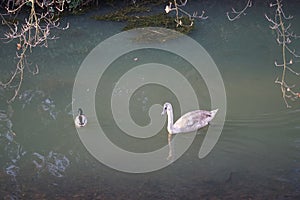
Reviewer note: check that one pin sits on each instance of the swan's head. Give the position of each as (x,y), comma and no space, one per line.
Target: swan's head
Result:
(166,108)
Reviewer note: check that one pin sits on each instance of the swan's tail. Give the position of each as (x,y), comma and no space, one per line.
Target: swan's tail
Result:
(213,113)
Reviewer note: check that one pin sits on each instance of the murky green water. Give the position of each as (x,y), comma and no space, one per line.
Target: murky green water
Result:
(256,157)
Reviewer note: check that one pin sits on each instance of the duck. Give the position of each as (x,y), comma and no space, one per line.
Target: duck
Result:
(81,119)
(189,122)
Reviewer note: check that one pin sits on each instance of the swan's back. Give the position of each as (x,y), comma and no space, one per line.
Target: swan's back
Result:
(194,120)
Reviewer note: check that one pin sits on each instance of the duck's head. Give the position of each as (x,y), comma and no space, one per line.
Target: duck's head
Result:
(80,120)
(80,112)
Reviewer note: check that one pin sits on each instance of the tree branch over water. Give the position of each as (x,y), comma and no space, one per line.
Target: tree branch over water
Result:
(177,7)
(34,31)
(284,36)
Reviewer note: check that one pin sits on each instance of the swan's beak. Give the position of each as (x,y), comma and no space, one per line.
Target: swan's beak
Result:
(163,112)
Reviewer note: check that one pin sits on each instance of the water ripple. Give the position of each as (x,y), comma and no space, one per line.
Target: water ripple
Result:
(266,120)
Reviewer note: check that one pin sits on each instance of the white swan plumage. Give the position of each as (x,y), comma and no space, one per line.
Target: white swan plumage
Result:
(189,122)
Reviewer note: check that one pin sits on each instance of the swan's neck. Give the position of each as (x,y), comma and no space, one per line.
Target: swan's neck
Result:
(170,121)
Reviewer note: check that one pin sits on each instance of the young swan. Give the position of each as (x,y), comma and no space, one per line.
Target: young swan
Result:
(80,120)
(190,121)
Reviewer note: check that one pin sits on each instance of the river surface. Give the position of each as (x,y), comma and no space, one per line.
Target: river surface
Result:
(257,155)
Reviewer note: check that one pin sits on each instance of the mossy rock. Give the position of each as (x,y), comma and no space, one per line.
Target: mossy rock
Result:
(138,16)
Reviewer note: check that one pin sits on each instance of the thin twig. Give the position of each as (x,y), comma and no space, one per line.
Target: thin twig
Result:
(237,14)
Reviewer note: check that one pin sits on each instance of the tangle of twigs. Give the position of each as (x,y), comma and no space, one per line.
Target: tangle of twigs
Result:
(34,31)
(177,7)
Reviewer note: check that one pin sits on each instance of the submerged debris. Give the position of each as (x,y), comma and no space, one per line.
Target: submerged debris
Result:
(38,97)
(12,170)
(54,163)
(49,106)
(27,96)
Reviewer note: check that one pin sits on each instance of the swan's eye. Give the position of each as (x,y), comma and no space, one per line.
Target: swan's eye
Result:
(166,108)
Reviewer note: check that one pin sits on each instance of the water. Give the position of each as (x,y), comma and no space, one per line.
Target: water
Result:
(257,155)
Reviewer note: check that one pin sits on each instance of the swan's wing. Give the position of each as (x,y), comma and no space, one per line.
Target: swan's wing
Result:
(194,120)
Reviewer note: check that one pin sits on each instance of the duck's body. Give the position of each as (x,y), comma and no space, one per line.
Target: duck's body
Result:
(81,119)
(190,121)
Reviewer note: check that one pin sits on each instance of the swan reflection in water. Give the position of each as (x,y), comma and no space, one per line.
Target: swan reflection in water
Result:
(171,155)
(172,143)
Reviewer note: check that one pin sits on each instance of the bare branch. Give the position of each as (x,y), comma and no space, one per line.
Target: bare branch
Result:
(174,6)
(34,31)
(284,38)
(237,14)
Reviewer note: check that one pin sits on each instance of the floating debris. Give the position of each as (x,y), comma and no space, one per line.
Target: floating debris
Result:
(54,163)
(9,136)
(27,96)
(49,106)
(3,115)
(14,151)
(12,170)
(45,104)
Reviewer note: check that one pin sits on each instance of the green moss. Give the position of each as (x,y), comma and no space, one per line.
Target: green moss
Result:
(138,16)
(123,14)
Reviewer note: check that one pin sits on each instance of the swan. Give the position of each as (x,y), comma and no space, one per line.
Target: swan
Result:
(81,119)
(189,122)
